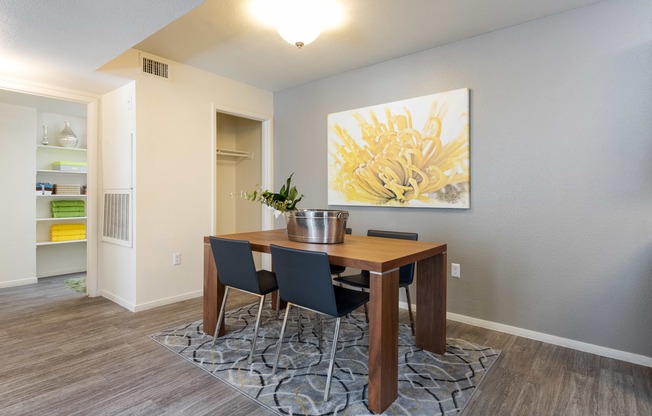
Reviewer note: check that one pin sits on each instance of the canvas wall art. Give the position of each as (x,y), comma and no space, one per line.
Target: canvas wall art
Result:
(409,153)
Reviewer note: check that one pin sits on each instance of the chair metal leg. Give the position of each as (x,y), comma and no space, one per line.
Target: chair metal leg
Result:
(219,318)
(366,313)
(253,341)
(299,324)
(330,366)
(280,338)
(278,303)
(321,328)
(407,297)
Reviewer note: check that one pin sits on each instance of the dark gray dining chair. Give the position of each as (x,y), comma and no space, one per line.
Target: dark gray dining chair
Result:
(236,269)
(406,273)
(335,269)
(304,281)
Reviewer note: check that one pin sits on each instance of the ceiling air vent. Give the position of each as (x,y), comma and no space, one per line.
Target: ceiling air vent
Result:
(155,67)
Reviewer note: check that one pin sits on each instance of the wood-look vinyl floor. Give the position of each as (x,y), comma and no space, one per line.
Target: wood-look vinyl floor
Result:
(62,353)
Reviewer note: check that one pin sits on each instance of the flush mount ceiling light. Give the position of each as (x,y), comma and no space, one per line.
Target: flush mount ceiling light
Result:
(299,22)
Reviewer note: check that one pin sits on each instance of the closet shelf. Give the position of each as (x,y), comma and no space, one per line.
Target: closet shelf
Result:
(53,243)
(62,196)
(61,219)
(234,153)
(65,172)
(61,148)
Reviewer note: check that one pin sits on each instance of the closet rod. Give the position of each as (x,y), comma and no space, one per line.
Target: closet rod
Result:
(234,153)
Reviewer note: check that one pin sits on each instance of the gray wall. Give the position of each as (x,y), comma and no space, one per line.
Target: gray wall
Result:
(559,235)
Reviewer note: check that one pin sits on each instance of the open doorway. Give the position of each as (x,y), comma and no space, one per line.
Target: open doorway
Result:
(37,114)
(239,167)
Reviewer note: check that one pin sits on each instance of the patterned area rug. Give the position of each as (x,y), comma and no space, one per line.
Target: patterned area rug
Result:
(429,384)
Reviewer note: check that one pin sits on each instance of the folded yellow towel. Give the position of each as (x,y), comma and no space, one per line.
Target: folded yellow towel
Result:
(68,237)
(66,232)
(68,227)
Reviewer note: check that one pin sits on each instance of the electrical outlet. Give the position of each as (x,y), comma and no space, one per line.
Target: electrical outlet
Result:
(455,270)
(176,259)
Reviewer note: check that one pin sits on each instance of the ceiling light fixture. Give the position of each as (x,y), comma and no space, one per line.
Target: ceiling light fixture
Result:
(299,26)
(299,22)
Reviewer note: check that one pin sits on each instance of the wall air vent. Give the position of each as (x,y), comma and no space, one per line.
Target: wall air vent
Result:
(117,222)
(154,67)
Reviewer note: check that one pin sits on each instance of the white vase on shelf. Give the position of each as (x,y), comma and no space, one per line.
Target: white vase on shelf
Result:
(45,141)
(67,137)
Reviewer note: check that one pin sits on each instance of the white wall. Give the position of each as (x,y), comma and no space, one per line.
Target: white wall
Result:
(117,263)
(558,239)
(174,172)
(17,182)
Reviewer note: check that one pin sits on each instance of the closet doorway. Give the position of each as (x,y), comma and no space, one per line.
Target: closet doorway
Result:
(241,164)
(30,156)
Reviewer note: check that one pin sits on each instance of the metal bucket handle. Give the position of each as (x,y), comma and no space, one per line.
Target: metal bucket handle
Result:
(342,216)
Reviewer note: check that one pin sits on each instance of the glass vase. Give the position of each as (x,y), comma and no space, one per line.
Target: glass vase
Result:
(45,140)
(67,137)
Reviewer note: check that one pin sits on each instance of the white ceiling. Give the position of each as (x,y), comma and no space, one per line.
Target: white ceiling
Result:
(64,42)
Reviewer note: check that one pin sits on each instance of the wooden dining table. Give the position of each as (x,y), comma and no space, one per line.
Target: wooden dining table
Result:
(382,257)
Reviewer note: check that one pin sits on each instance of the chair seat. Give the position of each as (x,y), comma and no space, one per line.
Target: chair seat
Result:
(356,280)
(335,269)
(267,281)
(348,300)
(361,280)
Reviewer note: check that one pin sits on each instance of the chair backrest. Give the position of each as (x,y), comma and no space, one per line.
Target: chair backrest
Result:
(235,264)
(406,273)
(304,278)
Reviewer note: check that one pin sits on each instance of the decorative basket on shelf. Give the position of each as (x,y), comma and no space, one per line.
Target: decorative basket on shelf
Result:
(67,189)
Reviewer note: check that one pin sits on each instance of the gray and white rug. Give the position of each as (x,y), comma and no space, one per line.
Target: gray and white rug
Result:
(429,384)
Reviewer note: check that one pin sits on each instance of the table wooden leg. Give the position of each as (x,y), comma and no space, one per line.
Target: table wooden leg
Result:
(383,340)
(431,304)
(276,299)
(213,293)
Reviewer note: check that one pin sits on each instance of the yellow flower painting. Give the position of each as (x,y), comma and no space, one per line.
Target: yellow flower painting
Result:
(410,153)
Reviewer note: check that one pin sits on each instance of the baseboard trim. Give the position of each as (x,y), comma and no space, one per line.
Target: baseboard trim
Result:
(550,339)
(62,272)
(19,282)
(167,301)
(553,339)
(120,301)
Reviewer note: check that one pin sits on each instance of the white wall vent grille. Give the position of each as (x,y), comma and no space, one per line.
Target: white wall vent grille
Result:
(117,224)
(155,67)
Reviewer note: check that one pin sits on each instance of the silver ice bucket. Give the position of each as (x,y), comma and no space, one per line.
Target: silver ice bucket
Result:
(322,226)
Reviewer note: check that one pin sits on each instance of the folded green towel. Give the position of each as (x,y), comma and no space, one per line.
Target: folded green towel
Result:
(67,209)
(68,214)
(67,203)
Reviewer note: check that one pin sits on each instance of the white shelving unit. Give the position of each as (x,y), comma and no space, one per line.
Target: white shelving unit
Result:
(58,257)
(54,243)
(59,219)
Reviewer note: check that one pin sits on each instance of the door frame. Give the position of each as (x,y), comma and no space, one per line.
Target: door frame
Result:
(92,127)
(267,163)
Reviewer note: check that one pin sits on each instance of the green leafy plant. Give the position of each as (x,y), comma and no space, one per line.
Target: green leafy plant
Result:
(285,200)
